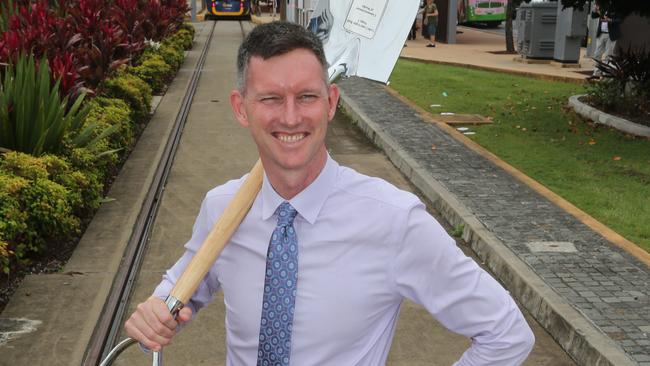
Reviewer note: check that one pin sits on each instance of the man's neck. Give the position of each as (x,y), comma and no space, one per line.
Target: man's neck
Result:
(288,183)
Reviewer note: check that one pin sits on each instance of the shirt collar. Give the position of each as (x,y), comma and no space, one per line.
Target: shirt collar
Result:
(309,202)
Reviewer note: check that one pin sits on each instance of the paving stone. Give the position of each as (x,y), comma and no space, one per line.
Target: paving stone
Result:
(642,358)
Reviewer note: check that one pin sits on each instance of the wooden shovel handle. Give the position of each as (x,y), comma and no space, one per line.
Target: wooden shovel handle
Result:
(219,235)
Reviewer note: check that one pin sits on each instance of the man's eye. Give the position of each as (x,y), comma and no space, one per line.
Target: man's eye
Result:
(269,99)
(308,97)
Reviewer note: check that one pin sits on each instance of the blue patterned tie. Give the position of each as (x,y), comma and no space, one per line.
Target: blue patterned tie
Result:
(279,291)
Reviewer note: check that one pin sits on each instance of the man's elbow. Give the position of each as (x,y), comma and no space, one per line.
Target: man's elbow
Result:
(527,341)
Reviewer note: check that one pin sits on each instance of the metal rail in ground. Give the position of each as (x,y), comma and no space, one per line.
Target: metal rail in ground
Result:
(109,324)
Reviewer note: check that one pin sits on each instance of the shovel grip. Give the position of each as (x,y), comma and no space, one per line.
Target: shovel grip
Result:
(219,235)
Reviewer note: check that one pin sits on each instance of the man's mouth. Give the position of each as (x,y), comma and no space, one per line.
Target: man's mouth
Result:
(290,138)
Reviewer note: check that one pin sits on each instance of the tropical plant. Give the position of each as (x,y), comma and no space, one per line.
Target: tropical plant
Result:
(102,45)
(625,87)
(128,15)
(7,10)
(163,17)
(33,117)
(37,30)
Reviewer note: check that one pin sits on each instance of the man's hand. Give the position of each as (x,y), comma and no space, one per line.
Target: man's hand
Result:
(152,325)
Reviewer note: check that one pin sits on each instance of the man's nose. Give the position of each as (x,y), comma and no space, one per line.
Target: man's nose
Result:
(291,112)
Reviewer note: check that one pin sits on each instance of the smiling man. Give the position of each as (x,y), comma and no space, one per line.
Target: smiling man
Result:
(318,269)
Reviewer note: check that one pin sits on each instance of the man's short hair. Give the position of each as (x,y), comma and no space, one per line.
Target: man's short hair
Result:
(275,39)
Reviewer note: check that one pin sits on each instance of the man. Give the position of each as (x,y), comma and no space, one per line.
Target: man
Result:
(607,33)
(346,249)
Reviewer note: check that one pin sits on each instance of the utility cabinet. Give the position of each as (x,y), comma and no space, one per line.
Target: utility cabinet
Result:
(571,28)
(535,25)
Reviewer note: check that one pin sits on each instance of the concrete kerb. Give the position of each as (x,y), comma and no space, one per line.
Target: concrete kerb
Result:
(601,117)
(571,329)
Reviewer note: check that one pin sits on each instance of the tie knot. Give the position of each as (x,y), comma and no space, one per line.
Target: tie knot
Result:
(286,214)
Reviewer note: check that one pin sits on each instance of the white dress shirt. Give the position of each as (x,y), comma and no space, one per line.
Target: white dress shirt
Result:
(364,246)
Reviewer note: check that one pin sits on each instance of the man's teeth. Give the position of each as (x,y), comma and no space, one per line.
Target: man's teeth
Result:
(291,138)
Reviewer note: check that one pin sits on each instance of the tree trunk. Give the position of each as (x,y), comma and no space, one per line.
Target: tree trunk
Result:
(510,42)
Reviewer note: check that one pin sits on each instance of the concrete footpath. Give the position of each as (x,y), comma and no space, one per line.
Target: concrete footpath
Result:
(484,49)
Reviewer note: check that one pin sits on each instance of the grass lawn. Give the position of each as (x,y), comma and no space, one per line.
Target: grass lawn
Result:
(602,171)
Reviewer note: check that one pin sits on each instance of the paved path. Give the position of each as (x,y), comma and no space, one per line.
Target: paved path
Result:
(601,284)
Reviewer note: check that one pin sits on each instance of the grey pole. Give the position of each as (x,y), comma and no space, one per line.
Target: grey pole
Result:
(193,10)
(452,19)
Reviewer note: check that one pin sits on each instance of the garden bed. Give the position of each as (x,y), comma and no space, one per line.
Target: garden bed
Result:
(581,105)
(54,173)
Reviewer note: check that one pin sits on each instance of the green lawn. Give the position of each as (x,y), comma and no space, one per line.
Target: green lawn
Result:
(602,171)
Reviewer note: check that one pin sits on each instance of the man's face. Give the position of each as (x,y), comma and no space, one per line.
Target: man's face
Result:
(287,107)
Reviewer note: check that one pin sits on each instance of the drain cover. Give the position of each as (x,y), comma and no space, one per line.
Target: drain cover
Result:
(552,246)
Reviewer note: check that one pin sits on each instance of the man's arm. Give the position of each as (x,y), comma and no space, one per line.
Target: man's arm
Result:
(433,272)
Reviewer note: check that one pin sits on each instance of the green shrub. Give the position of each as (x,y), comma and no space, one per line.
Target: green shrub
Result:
(13,220)
(50,217)
(133,90)
(33,116)
(181,40)
(5,256)
(154,70)
(107,112)
(189,28)
(83,190)
(24,165)
(34,210)
(173,56)
(94,168)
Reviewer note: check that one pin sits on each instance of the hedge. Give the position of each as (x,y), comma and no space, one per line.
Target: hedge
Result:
(45,200)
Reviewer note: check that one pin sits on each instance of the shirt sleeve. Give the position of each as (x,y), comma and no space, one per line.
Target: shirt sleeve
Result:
(432,271)
(210,285)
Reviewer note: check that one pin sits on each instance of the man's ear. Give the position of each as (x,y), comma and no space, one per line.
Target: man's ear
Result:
(238,109)
(333,96)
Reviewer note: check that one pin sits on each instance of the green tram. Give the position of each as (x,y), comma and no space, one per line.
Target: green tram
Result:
(488,12)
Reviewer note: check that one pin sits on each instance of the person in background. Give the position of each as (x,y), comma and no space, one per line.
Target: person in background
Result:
(430,20)
(608,32)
